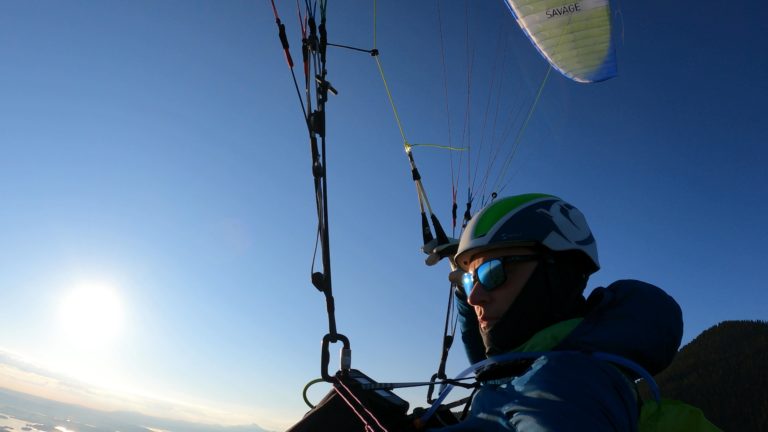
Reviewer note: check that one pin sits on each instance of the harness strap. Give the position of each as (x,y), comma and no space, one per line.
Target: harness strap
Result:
(517,356)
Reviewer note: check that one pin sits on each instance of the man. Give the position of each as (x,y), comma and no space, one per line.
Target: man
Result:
(523,264)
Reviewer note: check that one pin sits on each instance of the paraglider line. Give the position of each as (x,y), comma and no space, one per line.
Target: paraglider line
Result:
(286,50)
(444,147)
(392,102)
(520,132)
(372,52)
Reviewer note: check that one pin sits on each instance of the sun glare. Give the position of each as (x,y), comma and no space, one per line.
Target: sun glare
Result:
(91,315)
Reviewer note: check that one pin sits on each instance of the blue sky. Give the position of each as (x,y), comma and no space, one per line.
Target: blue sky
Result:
(157,149)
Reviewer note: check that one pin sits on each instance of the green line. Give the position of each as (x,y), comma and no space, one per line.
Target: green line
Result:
(445,147)
(392,102)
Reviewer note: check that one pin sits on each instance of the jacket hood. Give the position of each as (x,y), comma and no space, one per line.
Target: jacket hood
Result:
(632,319)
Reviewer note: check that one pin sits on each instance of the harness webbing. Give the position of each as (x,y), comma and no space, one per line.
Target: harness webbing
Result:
(513,356)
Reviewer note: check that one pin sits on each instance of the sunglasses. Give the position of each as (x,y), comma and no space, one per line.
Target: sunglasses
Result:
(491,274)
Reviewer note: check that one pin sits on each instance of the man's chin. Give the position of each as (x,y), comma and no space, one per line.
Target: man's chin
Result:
(487,325)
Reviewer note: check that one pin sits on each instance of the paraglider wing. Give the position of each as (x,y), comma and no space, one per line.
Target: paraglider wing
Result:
(574,36)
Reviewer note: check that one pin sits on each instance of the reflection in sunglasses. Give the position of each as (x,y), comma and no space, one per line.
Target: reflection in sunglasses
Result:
(491,274)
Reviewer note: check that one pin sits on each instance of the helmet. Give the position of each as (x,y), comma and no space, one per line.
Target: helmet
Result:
(529,219)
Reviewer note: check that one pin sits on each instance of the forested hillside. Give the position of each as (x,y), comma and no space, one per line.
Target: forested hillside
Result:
(723,372)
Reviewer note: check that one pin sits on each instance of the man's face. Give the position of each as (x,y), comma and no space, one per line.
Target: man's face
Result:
(490,306)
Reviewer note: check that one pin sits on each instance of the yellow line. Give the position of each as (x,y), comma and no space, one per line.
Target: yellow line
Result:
(445,147)
(392,102)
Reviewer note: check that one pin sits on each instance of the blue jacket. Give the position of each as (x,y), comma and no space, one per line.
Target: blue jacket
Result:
(567,388)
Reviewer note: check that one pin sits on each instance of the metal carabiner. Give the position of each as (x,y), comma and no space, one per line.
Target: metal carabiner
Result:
(345,358)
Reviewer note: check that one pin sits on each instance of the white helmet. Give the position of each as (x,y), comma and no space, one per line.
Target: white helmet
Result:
(529,219)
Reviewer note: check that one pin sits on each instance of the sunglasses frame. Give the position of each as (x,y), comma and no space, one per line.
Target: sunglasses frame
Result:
(475,279)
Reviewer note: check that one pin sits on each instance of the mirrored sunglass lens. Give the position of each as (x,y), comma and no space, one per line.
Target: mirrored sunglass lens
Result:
(491,274)
(467,282)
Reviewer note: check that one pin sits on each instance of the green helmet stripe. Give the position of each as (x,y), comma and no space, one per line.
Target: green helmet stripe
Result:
(501,208)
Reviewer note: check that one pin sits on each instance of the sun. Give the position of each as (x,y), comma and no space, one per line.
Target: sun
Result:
(91,315)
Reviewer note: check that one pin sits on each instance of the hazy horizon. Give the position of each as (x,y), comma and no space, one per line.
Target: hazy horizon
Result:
(49,414)
(22,376)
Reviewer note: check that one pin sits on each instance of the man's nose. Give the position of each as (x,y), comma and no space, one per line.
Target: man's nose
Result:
(478,296)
